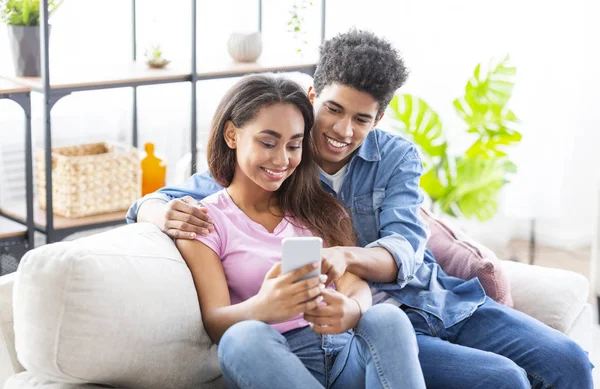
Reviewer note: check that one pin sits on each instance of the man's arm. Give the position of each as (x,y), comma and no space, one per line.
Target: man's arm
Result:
(398,253)
(175,210)
(402,232)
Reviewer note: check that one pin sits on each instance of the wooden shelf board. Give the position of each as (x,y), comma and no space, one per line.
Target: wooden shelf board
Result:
(138,72)
(39,216)
(8,87)
(226,66)
(11,229)
(98,76)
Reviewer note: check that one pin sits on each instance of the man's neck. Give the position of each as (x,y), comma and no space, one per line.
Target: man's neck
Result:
(331,167)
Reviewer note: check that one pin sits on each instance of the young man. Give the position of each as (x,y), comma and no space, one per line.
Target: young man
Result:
(466,340)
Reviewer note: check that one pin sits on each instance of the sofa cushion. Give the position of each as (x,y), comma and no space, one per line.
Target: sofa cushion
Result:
(555,297)
(461,257)
(117,308)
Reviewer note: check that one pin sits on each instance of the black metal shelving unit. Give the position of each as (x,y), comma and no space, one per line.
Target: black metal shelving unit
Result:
(134,76)
(16,238)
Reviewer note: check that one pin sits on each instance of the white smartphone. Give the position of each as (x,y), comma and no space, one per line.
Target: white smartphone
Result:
(299,251)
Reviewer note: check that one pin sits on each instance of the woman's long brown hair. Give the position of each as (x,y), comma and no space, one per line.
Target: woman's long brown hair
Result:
(301,195)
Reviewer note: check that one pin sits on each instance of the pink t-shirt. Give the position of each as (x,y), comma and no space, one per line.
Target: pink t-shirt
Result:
(247,250)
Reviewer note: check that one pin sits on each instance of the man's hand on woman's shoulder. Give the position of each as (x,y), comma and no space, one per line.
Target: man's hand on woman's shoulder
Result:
(185,218)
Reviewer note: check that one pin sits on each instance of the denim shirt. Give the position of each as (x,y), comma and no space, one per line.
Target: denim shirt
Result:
(381,189)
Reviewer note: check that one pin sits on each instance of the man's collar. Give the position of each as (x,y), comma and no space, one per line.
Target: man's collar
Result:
(369,150)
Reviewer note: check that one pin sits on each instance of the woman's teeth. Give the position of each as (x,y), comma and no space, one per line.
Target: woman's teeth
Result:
(279,174)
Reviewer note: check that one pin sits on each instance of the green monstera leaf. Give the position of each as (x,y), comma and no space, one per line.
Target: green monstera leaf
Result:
(490,146)
(466,184)
(420,124)
(477,186)
(483,106)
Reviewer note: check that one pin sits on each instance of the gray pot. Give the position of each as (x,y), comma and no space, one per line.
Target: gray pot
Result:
(25,45)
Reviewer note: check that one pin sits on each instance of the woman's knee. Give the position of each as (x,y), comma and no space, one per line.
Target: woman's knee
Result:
(243,338)
(387,319)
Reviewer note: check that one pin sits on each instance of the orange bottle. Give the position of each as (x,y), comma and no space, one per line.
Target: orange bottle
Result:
(154,171)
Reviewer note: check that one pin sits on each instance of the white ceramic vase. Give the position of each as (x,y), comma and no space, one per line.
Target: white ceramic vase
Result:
(245,47)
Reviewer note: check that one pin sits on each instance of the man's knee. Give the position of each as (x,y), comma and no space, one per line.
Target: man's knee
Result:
(505,374)
(385,318)
(572,364)
(243,338)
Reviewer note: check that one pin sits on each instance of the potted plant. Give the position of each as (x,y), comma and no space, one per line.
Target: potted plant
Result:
(154,57)
(465,183)
(23,19)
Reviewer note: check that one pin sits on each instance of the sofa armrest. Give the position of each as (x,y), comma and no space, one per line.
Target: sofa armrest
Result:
(9,363)
(553,296)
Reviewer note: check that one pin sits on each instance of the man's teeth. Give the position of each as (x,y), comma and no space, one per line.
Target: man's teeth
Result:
(335,143)
(273,173)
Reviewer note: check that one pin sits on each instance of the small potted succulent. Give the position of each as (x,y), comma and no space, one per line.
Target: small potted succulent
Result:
(154,57)
(23,20)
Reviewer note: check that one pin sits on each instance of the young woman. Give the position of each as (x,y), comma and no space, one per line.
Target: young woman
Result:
(271,330)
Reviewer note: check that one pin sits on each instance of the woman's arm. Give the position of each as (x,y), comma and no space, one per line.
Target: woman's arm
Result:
(211,285)
(280,297)
(355,288)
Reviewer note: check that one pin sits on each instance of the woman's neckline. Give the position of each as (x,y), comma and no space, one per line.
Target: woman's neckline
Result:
(276,231)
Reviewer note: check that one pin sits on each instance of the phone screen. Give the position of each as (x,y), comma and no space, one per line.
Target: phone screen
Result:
(300,251)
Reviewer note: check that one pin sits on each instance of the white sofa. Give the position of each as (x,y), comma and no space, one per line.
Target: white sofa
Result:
(64,292)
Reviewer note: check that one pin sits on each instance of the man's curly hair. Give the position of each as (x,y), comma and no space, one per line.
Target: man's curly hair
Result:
(363,61)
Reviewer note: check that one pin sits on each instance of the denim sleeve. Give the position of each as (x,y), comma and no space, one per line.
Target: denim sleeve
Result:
(402,232)
(198,186)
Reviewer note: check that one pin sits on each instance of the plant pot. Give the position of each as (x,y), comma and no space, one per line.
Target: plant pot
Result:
(25,46)
(245,47)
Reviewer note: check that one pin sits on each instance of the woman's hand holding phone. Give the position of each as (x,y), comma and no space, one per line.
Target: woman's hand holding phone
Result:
(282,296)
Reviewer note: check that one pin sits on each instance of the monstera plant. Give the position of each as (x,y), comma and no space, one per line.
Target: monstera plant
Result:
(466,183)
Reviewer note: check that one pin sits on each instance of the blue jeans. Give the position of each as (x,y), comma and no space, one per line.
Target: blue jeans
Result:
(498,347)
(253,355)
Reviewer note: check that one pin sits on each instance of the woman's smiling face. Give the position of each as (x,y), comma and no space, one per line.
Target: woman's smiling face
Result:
(268,148)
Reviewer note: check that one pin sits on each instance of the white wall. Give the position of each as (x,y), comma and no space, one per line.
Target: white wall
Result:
(552,43)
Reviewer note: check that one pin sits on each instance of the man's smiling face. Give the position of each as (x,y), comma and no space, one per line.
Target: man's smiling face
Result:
(344,117)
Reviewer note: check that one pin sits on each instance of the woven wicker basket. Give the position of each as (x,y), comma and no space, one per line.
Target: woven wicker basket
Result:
(90,179)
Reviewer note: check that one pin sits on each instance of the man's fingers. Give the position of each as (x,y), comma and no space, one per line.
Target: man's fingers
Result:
(191,207)
(185,217)
(178,234)
(329,271)
(189,230)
